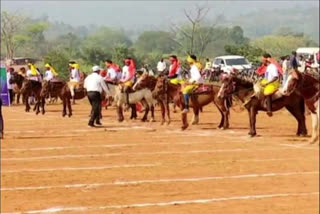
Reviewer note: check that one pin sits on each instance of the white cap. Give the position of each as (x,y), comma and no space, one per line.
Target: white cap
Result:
(95,68)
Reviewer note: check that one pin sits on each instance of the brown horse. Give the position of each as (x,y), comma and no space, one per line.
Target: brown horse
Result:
(308,87)
(243,90)
(63,91)
(32,88)
(168,91)
(17,79)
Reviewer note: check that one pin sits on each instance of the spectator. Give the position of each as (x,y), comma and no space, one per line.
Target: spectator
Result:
(285,68)
(293,61)
(10,86)
(1,120)
(302,64)
(161,65)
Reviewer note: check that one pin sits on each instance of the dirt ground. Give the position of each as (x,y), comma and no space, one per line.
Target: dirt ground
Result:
(51,164)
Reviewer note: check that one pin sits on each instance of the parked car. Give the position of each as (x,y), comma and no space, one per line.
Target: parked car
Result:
(228,63)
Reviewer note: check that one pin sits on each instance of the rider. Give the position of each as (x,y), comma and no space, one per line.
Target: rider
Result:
(195,79)
(271,82)
(74,79)
(128,76)
(112,71)
(50,72)
(33,73)
(174,70)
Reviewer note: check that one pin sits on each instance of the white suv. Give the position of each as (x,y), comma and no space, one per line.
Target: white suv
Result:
(228,63)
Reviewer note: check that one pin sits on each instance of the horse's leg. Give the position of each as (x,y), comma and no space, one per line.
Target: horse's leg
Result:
(27,103)
(37,105)
(184,121)
(120,114)
(296,112)
(315,121)
(167,109)
(145,116)
(43,103)
(69,107)
(133,112)
(152,113)
(174,108)
(195,117)
(163,112)
(18,98)
(252,117)
(64,103)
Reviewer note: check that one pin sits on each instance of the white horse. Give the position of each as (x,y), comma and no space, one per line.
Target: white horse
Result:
(144,96)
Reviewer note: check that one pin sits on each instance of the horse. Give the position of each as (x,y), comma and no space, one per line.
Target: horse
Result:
(308,87)
(202,96)
(29,88)
(17,79)
(143,95)
(51,88)
(243,90)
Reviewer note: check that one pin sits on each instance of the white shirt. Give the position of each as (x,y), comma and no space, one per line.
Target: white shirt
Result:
(111,74)
(271,72)
(75,75)
(48,75)
(95,83)
(195,75)
(10,86)
(161,66)
(125,73)
(33,77)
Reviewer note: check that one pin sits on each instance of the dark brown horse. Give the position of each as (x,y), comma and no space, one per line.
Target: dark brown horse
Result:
(308,87)
(168,91)
(17,79)
(32,88)
(243,90)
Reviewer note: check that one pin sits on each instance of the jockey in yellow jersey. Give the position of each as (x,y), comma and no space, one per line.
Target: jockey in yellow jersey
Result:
(271,82)
(195,79)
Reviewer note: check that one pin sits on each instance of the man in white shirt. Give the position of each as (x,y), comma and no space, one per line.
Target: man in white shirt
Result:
(270,83)
(74,79)
(112,74)
(195,79)
(161,66)
(10,86)
(33,73)
(95,85)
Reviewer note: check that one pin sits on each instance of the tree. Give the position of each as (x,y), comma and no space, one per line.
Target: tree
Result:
(11,27)
(159,41)
(194,37)
(281,45)
(253,54)
(120,52)
(59,60)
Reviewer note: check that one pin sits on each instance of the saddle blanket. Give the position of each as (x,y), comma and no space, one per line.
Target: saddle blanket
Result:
(203,88)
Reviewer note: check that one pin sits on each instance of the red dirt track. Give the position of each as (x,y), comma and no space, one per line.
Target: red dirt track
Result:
(51,164)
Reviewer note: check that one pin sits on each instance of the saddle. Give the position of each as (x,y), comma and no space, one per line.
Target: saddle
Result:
(203,89)
(258,92)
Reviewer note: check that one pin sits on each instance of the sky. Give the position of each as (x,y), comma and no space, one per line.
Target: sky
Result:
(138,14)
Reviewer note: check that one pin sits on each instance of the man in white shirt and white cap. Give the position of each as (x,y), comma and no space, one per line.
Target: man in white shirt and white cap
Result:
(95,85)
(161,66)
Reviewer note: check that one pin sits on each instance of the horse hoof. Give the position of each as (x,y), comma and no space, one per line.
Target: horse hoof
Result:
(168,123)
(252,134)
(184,127)
(143,120)
(69,115)
(162,122)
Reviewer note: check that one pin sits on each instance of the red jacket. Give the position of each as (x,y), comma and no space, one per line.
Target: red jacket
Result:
(174,67)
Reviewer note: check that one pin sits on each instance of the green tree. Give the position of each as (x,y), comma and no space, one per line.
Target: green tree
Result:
(59,60)
(253,54)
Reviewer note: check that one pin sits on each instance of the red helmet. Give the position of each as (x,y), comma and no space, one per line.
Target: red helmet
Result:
(103,73)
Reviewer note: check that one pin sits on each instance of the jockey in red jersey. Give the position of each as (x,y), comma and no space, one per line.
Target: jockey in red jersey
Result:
(174,70)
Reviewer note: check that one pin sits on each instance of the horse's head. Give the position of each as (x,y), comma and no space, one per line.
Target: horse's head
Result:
(45,89)
(16,78)
(291,83)
(161,86)
(141,82)
(227,87)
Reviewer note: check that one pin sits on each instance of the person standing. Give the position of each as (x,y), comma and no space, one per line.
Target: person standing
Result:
(285,69)
(1,120)
(294,61)
(95,85)
(302,64)
(10,86)
(161,66)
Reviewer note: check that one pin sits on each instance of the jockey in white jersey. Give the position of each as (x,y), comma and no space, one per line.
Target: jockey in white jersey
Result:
(33,73)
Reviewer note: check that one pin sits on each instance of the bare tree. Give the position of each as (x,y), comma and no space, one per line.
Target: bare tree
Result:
(198,31)
(11,25)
